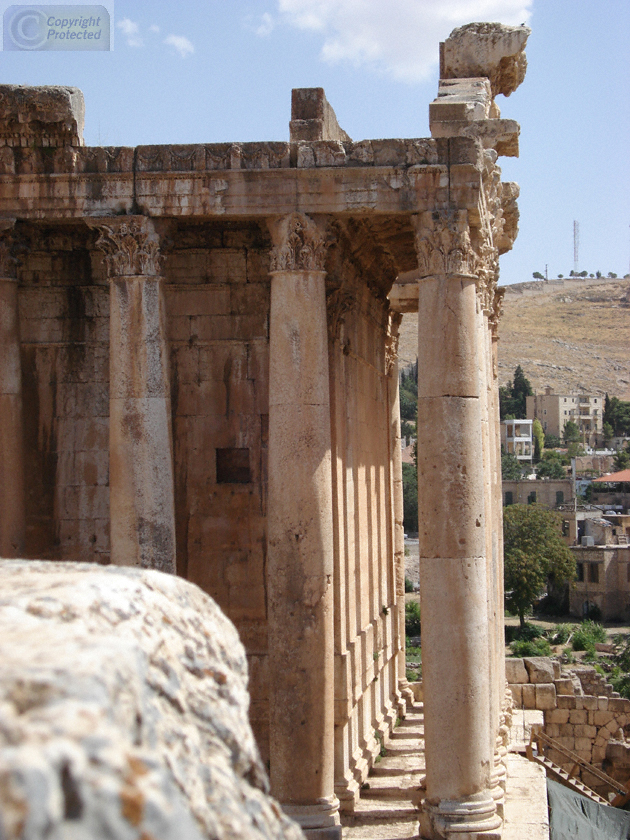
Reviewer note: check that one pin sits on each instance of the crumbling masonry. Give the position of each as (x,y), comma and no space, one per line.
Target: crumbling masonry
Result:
(198,374)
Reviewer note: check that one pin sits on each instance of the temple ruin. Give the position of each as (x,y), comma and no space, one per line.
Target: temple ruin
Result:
(198,374)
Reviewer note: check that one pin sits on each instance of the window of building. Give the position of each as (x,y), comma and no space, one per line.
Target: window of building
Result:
(565,399)
(531,498)
(580,572)
(509,498)
(559,497)
(595,400)
(593,572)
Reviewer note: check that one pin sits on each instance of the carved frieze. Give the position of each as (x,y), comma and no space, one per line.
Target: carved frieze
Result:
(130,244)
(496,310)
(299,244)
(8,261)
(443,244)
(41,116)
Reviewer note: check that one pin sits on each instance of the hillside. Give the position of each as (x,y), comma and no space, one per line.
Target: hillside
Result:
(572,335)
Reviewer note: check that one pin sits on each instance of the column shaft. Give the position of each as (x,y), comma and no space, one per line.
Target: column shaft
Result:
(300,542)
(12,501)
(453,563)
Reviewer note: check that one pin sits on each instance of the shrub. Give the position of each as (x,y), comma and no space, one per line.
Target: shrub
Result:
(537,647)
(412,618)
(527,633)
(595,614)
(587,635)
(559,634)
(408,585)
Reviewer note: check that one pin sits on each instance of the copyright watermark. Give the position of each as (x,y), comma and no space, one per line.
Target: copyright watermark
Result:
(50,27)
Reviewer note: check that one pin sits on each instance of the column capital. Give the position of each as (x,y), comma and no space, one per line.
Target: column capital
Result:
(131,245)
(496,310)
(443,245)
(300,243)
(8,260)
(391,341)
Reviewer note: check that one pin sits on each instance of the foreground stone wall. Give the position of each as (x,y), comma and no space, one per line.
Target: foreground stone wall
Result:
(124,710)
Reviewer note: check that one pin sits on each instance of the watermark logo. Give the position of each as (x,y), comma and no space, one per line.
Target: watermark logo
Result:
(56,28)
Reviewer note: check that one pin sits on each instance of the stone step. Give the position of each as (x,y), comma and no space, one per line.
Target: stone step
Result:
(405,787)
(396,830)
(398,765)
(377,812)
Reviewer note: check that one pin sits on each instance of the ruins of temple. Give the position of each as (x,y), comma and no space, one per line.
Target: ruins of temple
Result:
(198,374)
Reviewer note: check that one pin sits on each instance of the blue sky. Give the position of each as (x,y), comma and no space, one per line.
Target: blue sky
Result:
(222,70)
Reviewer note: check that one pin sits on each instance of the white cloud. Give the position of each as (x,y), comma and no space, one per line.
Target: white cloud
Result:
(131,32)
(154,28)
(181,44)
(266,25)
(399,37)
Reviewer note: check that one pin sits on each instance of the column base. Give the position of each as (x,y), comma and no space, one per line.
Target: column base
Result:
(474,818)
(323,814)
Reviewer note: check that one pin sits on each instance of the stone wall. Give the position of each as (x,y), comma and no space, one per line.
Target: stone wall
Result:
(581,710)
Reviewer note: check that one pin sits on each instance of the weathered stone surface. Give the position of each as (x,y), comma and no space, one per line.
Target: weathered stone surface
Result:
(565,686)
(493,50)
(540,669)
(515,671)
(123,710)
(545,696)
(45,116)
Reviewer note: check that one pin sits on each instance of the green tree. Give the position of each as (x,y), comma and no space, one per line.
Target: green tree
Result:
(570,432)
(535,555)
(410,497)
(539,440)
(551,468)
(512,396)
(538,276)
(608,432)
(511,469)
(621,461)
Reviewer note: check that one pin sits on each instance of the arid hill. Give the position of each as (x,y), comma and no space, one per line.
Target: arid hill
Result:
(573,335)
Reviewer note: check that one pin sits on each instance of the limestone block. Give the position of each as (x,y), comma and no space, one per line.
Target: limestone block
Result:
(517,695)
(493,50)
(123,710)
(564,686)
(540,669)
(552,729)
(529,696)
(578,716)
(556,716)
(617,704)
(618,752)
(515,671)
(545,696)
(564,701)
(584,744)
(590,703)
(557,669)
(566,730)
(602,703)
(601,718)
(586,732)
(49,116)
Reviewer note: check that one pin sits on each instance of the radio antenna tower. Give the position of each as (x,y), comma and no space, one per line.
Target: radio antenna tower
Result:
(576,247)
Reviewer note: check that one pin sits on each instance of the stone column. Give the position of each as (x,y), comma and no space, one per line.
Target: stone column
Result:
(142,508)
(453,579)
(12,500)
(300,536)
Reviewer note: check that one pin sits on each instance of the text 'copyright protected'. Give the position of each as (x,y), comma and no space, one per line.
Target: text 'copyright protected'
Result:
(56,28)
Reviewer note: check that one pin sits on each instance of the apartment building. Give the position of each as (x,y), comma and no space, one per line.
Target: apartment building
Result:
(554,410)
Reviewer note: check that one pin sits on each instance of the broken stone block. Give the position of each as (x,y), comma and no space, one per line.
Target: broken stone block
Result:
(564,686)
(515,671)
(540,669)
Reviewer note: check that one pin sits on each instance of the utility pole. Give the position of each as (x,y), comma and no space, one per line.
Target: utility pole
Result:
(576,247)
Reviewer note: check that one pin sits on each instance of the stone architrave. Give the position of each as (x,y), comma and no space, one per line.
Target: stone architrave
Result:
(452,537)
(12,499)
(300,535)
(140,445)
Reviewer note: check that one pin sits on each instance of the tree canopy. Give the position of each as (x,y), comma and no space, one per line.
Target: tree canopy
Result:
(512,397)
(511,469)
(535,555)
(617,415)
(571,432)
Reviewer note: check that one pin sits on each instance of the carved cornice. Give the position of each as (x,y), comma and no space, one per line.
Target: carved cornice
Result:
(8,260)
(130,244)
(299,244)
(496,311)
(391,341)
(443,244)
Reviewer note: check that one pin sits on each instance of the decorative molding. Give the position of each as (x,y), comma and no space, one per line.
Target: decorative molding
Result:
(8,260)
(131,245)
(337,304)
(391,341)
(496,310)
(299,244)
(443,244)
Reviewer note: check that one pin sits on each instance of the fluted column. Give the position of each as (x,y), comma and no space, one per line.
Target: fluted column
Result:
(452,536)
(300,535)
(142,509)
(12,499)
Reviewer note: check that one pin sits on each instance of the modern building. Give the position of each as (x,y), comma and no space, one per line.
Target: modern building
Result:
(555,410)
(517,438)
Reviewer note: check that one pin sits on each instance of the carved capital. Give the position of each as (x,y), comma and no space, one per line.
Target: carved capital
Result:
(496,310)
(442,242)
(337,304)
(391,341)
(485,266)
(130,244)
(8,260)
(299,244)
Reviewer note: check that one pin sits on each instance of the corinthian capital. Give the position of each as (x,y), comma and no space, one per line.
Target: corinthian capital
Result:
(442,242)
(8,261)
(299,244)
(131,245)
